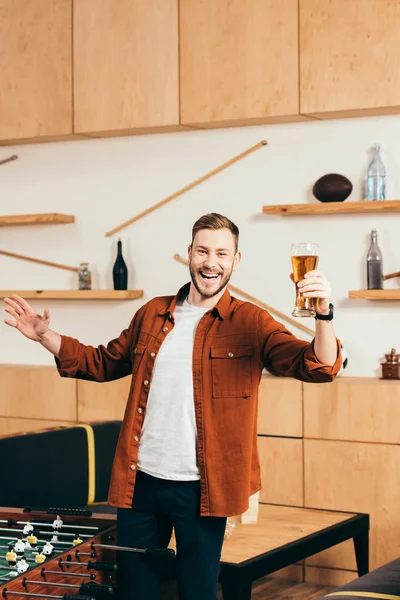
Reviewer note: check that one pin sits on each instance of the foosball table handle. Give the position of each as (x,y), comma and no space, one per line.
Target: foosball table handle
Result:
(77,597)
(98,590)
(162,552)
(102,566)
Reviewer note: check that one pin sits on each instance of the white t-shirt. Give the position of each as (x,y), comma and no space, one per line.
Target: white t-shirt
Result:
(167,447)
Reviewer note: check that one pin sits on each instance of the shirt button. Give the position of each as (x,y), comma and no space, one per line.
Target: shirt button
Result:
(165,329)
(132,467)
(152,354)
(136,439)
(230,354)
(140,410)
(146,382)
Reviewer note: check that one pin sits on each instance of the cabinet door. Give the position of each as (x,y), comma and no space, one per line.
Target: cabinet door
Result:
(238,61)
(35,68)
(348,57)
(125,65)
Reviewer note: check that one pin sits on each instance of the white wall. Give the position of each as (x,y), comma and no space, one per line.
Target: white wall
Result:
(105,182)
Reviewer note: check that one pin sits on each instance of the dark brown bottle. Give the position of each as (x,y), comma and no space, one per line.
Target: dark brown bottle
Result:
(120,271)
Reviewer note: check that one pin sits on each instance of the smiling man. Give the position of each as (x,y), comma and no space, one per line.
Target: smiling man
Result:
(187,454)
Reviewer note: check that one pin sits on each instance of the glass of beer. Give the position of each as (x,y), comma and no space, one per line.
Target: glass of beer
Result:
(304,259)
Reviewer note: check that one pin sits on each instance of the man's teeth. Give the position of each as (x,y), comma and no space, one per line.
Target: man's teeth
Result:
(209,276)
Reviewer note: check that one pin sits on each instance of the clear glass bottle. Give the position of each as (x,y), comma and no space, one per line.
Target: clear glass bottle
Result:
(85,276)
(374,264)
(376,177)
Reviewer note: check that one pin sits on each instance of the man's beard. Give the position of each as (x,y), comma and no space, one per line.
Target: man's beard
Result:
(224,281)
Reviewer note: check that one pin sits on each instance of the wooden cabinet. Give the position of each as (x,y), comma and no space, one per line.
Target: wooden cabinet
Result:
(353,409)
(360,477)
(238,62)
(280,407)
(281,463)
(35,67)
(348,57)
(125,66)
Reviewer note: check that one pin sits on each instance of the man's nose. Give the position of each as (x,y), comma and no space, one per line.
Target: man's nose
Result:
(211,261)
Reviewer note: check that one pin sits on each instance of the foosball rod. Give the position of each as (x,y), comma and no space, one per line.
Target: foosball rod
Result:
(5,592)
(90,576)
(161,551)
(96,566)
(92,588)
(57,533)
(39,524)
(13,541)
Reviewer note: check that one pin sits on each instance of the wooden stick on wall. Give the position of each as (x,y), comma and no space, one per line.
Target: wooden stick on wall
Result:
(187,187)
(40,262)
(9,159)
(271,309)
(392,275)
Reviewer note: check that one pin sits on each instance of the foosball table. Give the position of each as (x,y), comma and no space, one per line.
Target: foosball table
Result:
(76,564)
(63,555)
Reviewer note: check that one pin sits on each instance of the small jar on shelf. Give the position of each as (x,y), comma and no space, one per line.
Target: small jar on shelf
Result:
(85,276)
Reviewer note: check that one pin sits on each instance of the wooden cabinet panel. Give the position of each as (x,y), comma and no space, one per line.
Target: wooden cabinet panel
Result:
(125,65)
(238,61)
(348,57)
(35,392)
(35,67)
(10,426)
(281,461)
(352,408)
(280,408)
(357,477)
(102,401)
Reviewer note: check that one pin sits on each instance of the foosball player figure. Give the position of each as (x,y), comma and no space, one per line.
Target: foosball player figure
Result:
(32,541)
(22,566)
(28,528)
(77,540)
(48,549)
(19,547)
(40,558)
(11,557)
(57,523)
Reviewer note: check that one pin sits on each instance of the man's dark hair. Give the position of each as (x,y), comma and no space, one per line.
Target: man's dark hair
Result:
(216,221)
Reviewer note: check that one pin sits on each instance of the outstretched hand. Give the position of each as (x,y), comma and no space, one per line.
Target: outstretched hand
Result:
(27,321)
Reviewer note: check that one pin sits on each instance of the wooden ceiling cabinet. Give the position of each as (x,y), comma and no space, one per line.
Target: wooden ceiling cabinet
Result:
(35,68)
(348,57)
(126,66)
(238,62)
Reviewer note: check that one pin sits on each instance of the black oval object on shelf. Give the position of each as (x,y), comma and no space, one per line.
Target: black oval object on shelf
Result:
(332,188)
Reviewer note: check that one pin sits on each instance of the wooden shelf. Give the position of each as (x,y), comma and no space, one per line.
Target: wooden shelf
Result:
(36,219)
(374,294)
(327,208)
(74,294)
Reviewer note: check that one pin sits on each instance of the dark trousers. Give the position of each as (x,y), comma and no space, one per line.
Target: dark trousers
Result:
(159,506)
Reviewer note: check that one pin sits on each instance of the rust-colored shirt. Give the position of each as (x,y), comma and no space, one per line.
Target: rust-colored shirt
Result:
(234,342)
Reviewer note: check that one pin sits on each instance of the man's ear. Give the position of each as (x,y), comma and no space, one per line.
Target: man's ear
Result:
(189,250)
(236,260)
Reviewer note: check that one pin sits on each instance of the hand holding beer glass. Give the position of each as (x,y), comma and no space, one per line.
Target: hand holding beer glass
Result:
(304,259)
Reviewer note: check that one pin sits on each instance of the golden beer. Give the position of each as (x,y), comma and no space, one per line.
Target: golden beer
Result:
(304,259)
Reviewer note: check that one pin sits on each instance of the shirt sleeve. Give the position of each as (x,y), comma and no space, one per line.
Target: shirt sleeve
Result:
(285,355)
(104,363)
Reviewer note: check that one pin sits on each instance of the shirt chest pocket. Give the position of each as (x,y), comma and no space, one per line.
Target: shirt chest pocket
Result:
(231,371)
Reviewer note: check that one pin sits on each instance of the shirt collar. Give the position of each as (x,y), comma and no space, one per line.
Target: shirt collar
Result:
(221,308)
